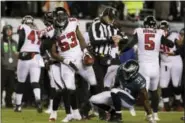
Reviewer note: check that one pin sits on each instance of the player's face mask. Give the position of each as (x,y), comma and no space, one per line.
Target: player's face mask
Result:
(62,18)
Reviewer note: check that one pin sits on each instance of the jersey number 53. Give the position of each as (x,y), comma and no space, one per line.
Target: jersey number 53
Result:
(65,45)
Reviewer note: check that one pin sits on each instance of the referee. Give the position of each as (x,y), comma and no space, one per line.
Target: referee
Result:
(103,37)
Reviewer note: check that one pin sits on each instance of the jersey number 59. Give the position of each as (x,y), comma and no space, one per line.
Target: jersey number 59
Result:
(149,43)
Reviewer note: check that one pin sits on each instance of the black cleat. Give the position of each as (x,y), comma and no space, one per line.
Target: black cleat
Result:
(18,108)
(39,106)
(115,118)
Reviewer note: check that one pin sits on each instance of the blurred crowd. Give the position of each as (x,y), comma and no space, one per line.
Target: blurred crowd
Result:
(172,10)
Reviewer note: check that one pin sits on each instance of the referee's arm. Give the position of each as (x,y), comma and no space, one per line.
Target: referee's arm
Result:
(95,35)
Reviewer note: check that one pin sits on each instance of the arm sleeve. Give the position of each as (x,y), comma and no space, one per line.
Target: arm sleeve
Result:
(167,42)
(21,34)
(129,45)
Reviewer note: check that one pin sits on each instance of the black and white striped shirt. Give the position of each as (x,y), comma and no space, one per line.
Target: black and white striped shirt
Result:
(100,35)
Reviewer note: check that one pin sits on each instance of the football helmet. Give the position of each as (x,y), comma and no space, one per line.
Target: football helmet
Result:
(129,69)
(60,17)
(164,25)
(28,19)
(48,18)
(150,22)
(182,31)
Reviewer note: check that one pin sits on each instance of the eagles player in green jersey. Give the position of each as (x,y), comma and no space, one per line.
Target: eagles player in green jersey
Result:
(129,84)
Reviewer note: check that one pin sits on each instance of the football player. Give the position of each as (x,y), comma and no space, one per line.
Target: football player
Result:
(149,39)
(51,64)
(71,49)
(171,68)
(129,83)
(30,61)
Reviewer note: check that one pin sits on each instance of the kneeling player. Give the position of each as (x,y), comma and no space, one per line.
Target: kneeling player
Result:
(128,85)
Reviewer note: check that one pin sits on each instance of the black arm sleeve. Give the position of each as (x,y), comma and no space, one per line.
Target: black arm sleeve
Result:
(21,34)
(179,51)
(125,47)
(167,42)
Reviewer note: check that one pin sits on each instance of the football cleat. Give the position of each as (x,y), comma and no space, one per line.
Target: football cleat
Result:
(48,111)
(156,117)
(76,115)
(53,116)
(18,108)
(68,118)
(115,118)
(39,106)
(132,111)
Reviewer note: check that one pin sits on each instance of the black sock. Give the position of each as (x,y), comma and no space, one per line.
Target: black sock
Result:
(116,101)
(155,101)
(73,100)
(94,90)
(66,99)
(52,93)
(177,90)
(165,92)
(56,101)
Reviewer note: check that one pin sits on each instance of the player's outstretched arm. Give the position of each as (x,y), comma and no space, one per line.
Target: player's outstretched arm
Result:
(125,47)
(81,39)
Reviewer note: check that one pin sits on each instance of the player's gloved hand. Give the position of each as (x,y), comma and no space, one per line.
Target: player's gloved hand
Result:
(150,119)
(86,52)
(71,64)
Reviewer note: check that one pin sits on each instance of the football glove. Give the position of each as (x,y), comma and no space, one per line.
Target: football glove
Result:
(71,64)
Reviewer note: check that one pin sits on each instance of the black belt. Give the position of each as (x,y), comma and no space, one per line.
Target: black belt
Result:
(27,55)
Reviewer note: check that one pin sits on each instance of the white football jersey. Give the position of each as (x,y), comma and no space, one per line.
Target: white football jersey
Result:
(68,45)
(31,42)
(164,49)
(149,41)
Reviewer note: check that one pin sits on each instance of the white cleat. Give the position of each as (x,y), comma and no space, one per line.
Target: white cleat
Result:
(132,111)
(156,117)
(76,115)
(48,111)
(68,118)
(53,116)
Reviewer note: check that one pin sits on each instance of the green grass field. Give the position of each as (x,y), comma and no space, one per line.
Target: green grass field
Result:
(31,116)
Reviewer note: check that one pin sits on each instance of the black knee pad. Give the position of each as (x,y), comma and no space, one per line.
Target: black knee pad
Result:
(19,88)
(52,93)
(165,92)
(177,90)
(35,85)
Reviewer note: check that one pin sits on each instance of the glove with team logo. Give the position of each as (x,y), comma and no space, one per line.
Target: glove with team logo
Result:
(71,64)
(150,119)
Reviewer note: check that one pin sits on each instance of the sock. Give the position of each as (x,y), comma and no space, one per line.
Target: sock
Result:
(165,92)
(56,101)
(93,90)
(116,102)
(66,99)
(18,99)
(50,103)
(37,93)
(73,100)
(155,101)
(52,93)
